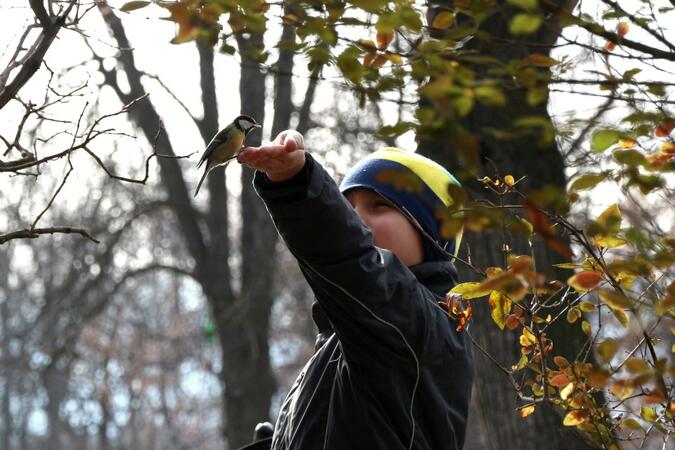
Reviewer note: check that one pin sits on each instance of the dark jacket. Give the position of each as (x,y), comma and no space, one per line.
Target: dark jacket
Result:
(394,374)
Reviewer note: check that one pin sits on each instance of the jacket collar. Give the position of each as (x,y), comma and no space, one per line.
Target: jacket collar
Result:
(437,276)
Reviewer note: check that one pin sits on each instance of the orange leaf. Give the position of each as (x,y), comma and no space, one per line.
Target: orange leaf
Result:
(622,28)
(443,20)
(663,129)
(384,39)
(379,61)
(585,281)
(627,143)
(526,410)
(543,227)
(512,322)
(559,380)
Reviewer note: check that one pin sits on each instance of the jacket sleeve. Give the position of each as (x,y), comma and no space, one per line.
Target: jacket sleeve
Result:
(372,300)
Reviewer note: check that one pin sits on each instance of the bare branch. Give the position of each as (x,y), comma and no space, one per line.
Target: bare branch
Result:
(40,12)
(31,233)
(34,56)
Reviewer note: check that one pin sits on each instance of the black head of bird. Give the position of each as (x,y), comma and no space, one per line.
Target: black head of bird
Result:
(226,145)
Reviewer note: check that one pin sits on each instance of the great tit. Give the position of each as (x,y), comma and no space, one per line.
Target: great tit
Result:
(225,145)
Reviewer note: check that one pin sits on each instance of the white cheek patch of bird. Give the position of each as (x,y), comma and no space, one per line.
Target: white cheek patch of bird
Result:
(226,145)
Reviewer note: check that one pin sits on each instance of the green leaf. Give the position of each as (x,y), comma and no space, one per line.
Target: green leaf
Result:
(525,4)
(587,181)
(131,6)
(349,65)
(629,74)
(603,139)
(524,23)
(522,363)
(490,95)
(536,96)
(630,157)
(657,89)
(396,130)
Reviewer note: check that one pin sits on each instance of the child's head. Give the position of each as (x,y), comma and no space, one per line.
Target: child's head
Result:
(415,189)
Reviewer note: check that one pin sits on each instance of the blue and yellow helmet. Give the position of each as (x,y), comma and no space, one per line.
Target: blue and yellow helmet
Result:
(417,185)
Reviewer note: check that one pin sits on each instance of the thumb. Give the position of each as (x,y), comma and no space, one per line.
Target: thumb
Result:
(294,141)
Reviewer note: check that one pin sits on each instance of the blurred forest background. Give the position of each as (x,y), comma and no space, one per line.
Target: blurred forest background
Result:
(133,316)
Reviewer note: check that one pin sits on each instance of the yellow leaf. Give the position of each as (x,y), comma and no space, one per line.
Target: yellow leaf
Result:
(470,290)
(586,328)
(585,281)
(367,43)
(608,241)
(573,314)
(610,219)
(574,418)
(443,20)
(621,389)
(500,306)
(509,181)
(528,226)
(529,336)
(648,414)
(586,306)
(566,391)
(632,424)
(607,349)
(621,316)
(637,365)
(394,58)
(614,299)
(526,410)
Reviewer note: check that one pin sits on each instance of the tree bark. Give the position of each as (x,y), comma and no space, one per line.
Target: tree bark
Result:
(494,404)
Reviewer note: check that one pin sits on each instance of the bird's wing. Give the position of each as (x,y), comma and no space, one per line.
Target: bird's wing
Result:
(215,142)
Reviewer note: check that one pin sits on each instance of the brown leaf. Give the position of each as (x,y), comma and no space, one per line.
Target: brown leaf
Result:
(542,226)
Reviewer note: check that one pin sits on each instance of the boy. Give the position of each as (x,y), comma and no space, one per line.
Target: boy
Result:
(390,371)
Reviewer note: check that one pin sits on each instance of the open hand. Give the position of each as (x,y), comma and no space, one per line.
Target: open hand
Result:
(280,160)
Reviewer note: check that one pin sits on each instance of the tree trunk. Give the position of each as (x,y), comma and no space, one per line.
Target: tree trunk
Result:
(7,368)
(494,404)
(55,380)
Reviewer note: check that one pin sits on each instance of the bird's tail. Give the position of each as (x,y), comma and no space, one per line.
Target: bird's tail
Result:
(206,172)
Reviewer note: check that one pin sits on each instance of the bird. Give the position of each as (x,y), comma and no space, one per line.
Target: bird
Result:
(226,145)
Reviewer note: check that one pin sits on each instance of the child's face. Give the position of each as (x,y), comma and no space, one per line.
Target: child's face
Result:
(391,229)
